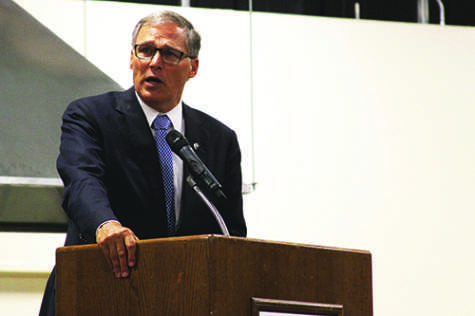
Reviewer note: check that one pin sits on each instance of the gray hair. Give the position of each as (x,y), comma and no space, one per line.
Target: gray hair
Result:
(193,38)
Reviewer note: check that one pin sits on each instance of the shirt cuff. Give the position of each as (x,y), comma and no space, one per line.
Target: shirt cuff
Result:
(109,221)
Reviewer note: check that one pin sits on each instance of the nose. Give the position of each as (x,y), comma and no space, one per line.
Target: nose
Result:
(156,59)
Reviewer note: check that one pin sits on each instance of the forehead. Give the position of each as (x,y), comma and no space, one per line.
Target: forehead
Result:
(162,34)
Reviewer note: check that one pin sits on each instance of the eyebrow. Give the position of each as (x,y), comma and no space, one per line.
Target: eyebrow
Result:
(151,43)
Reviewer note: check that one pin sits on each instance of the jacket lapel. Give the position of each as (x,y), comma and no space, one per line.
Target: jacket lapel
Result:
(196,133)
(139,137)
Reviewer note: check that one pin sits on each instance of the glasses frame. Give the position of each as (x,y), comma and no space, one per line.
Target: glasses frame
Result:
(180,58)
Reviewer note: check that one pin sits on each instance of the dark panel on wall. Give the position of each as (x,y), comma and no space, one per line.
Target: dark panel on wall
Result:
(459,12)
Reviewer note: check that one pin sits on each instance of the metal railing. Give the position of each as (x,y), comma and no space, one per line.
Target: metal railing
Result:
(423,11)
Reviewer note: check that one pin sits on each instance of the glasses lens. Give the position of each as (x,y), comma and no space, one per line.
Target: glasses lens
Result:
(144,51)
(168,55)
(171,56)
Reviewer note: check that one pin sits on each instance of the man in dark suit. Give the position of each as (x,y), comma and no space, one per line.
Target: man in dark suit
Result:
(111,166)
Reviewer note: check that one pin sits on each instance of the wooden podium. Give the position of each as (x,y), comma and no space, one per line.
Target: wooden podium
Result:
(216,275)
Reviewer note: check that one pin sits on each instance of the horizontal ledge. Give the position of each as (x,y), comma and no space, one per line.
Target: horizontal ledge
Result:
(30,181)
(9,273)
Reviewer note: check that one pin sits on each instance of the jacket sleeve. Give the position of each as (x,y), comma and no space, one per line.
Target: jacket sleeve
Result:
(81,167)
(232,185)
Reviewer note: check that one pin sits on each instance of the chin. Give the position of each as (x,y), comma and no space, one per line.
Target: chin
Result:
(150,96)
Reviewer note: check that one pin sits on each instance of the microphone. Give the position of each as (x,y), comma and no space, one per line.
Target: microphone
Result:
(180,146)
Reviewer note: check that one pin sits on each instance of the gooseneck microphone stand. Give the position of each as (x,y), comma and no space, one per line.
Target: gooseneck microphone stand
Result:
(210,205)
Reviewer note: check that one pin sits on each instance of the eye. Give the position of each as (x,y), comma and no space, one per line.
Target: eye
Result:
(170,52)
(146,50)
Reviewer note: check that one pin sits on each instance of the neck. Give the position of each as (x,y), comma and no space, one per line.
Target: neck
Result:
(160,107)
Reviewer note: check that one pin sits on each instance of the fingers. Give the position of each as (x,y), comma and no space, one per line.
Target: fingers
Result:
(118,244)
(131,247)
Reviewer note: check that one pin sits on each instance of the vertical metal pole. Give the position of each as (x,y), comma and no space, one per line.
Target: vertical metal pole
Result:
(442,12)
(252,187)
(357,10)
(185,3)
(423,11)
(84,20)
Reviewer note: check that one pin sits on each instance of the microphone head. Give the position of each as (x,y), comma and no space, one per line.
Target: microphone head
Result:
(176,140)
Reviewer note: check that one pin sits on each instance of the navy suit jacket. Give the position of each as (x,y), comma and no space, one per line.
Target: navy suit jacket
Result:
(110,167)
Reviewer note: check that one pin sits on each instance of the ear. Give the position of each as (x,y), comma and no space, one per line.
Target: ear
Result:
(194,64)
(131,59)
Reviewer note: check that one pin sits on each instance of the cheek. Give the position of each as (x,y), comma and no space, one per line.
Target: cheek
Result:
(131,60)
(137,69)
(179,81)
(133,66)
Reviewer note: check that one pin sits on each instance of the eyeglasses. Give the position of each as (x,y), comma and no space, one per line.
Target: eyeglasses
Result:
(169,55)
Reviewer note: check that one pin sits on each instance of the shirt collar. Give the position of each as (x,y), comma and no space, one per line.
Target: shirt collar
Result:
(175,115)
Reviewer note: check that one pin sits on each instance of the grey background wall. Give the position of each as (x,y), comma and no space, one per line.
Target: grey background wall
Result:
(39,75)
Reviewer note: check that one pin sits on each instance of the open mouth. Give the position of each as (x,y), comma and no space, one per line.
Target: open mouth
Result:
(152,80)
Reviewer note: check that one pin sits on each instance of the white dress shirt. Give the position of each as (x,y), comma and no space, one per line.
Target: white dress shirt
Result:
(176,117)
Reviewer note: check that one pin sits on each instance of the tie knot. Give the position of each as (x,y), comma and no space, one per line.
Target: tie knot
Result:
(161,122)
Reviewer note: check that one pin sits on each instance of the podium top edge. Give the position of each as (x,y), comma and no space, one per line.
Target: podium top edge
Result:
(306,245)
(219,238)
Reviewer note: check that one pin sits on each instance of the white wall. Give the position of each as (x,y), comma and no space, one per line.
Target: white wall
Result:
(378,119)
(362,137)
(25,262)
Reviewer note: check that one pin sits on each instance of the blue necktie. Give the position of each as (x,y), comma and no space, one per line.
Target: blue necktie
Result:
(161,124)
